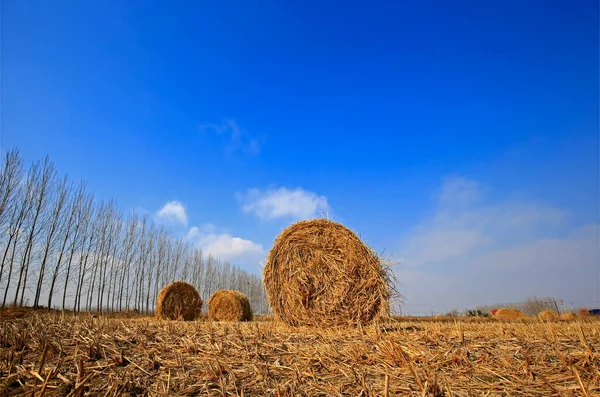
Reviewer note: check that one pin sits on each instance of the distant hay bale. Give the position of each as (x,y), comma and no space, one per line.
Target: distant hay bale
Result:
(509,314)
(320,273)
(548,315)
(569,316)
(226,305)
(178,300)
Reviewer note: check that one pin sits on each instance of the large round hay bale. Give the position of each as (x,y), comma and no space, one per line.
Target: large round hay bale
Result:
(548,315)
(509,314)
(177,301)
(227,305)
(320,273)
(569,316)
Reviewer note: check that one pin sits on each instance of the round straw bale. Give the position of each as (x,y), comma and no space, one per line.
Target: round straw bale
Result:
(226,305)
(548,315)
(178,300)
(320,273)
(509,314)
(569,316)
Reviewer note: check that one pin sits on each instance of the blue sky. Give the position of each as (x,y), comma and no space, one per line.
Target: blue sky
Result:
(459,137)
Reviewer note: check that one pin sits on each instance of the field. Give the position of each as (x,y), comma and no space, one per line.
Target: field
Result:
(54,354)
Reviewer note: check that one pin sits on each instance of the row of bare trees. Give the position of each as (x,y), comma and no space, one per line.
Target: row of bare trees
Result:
(59,247)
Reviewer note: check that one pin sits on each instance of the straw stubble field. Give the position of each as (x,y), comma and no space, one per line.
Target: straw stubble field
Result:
(50,354)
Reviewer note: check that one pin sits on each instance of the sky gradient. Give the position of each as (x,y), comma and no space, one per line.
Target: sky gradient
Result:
(460,139)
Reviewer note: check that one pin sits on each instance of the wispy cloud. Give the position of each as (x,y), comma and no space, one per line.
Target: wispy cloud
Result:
(459,191)
(236,140)
(463,222)
(283,202)
(172,212)
(474,251)
(224,245)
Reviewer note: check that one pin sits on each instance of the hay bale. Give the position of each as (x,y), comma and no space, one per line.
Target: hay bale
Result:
(226,305)
(178,300)
(509,314)
(548,315)
(320,273)
(569,316)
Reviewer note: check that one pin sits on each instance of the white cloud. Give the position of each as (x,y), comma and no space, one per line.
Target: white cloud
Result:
(224,245)
(236,139)
(192,234)
(278,203)
(565,268)
(228,247)
(463,223)
(172,212)
(435,245)
(472,251)
(196,232)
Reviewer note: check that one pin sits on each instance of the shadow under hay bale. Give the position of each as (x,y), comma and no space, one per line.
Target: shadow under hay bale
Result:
(548,315)
(178,301)
(320,273)
(227,305)
(509,314)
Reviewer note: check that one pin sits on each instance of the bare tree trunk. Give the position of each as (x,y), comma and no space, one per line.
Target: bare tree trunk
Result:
(128,254)
(150,266)
(18,217)
(67,234)
(12,261)
(42,183)
(80,212)
(83,260)
(21,208)
(110,301)
(103,221)
(113,226)
(160,257)
(140,262)
(54,226)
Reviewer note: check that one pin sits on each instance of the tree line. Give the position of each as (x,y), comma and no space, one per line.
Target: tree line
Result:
(62,248)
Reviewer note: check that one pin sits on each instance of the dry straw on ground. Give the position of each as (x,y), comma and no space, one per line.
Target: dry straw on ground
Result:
(178,300)
(49,354)
(509,314)
(548,315)
(320,273)
(227,305)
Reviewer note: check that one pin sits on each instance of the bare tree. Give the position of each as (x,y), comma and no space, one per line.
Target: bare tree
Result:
(42,182)
(140,262)
(161,258)
(198,270)
(89,242)
(55,225)
(112,236)
(82,207)
(15,202)
(129,254)
(10,177)
(104,223)
(114,260)
(150,265)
